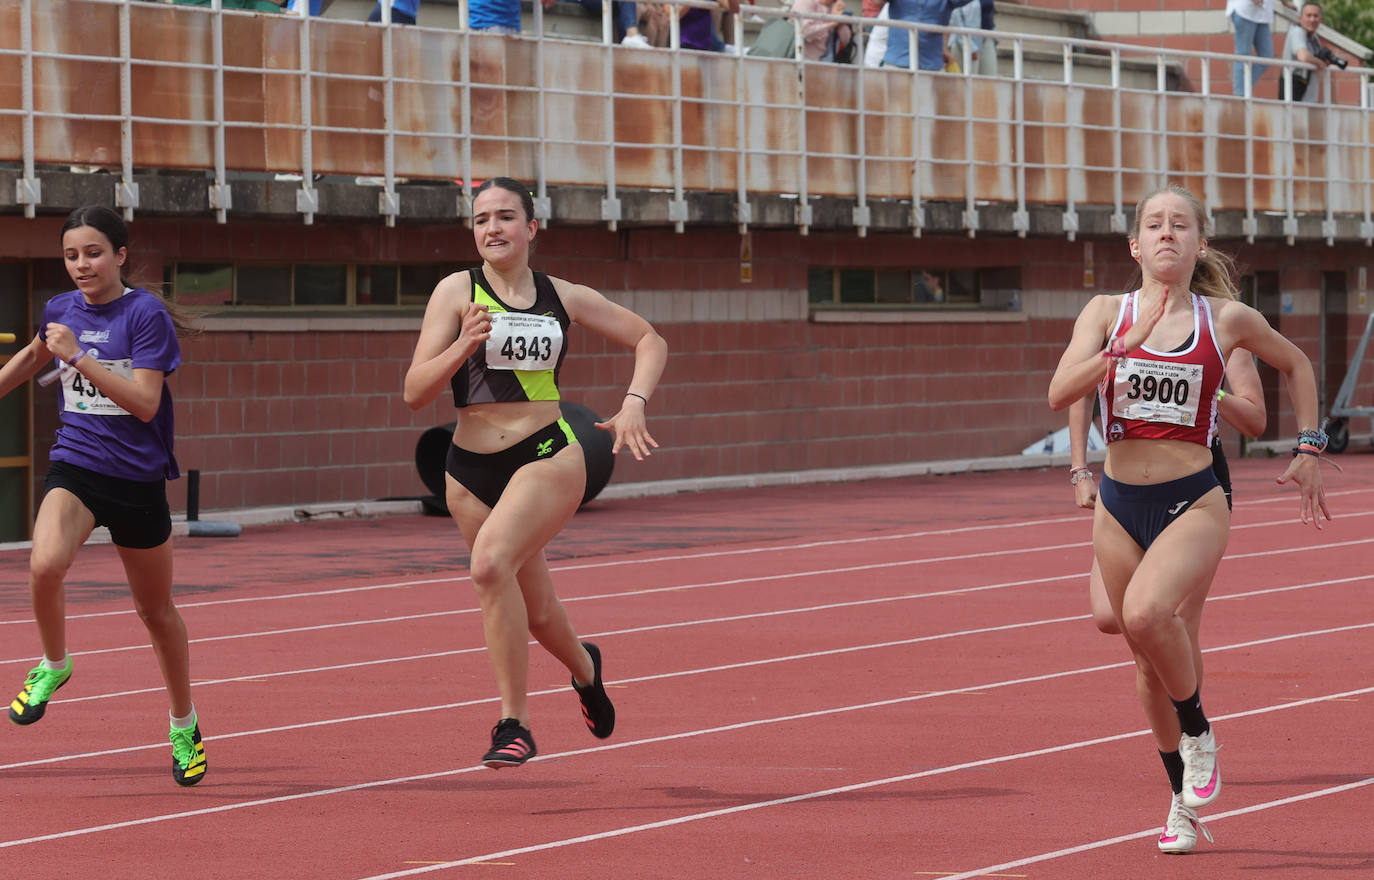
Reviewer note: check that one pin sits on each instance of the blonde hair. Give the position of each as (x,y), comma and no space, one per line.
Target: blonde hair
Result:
(1214,272)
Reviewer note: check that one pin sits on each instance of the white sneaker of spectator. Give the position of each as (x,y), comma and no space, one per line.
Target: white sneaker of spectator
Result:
(636,41)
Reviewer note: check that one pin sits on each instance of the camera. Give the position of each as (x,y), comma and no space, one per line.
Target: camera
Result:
(1330,57)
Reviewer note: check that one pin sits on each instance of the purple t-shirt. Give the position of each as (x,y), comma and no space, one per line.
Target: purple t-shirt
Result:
(130,333)
(694,29)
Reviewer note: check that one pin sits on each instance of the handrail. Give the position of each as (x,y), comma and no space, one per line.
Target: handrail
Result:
(933,123)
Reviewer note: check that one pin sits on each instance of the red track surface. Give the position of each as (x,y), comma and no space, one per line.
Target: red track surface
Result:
(889,679)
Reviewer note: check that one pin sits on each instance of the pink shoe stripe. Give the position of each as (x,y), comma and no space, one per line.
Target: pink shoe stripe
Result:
(1209,788)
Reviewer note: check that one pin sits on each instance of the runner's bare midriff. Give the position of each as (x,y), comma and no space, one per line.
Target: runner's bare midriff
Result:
(1146,462)
(492,427)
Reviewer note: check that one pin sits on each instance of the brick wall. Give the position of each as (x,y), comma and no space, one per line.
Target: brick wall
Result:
(302,408)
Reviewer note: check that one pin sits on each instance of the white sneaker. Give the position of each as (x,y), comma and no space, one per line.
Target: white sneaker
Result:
(637,41)
(1181,828)
(1201,778)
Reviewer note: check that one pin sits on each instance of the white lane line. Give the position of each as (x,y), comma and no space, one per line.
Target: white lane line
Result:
(1112,841)
(875,566)
(861,786)
(148,820)
(785,548)
(261,676)
(924,695)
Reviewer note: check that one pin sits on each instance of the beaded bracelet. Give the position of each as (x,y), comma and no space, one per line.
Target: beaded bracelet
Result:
(1314,439)
(1078,475)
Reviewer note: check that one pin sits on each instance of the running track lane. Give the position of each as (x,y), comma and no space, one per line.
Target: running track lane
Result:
(713,773)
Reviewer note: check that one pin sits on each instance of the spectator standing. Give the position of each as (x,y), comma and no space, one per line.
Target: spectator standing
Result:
(875,47)
(821,40)
(931,53)
(402,11)
(1252,22)
(624,22)
(1302,45)
(983,54)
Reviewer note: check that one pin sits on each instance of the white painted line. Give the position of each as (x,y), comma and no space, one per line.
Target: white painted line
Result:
(786,548)
(876,783)
(1112,841)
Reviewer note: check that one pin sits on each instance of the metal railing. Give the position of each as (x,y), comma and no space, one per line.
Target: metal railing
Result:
(232,92)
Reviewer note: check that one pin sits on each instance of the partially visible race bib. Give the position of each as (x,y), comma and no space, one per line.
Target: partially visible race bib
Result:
(79,395)
(1151,391)
(519,341)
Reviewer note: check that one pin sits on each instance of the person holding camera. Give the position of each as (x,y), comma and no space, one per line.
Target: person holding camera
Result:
(1302,45)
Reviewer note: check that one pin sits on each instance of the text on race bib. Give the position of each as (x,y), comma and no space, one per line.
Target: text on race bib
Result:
(79,394)
(523,342)
(1151,391)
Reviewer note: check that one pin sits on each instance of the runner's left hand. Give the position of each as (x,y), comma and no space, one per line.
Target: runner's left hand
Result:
(1305,470)
(629,429)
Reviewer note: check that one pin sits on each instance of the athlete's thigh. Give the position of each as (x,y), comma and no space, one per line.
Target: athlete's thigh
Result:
(539,500)
(149,571)
(466,509)
(63,524)
(1117,555)
(1184,558)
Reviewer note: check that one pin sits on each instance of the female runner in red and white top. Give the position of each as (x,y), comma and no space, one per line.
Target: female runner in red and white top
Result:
(1162,523)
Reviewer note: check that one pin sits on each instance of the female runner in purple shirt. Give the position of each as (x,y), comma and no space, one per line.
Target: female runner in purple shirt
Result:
(114,347)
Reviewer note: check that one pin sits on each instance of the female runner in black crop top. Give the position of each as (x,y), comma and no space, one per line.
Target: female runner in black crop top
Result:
(535,496)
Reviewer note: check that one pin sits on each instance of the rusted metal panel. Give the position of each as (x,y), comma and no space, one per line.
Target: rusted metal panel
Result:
(1067,132)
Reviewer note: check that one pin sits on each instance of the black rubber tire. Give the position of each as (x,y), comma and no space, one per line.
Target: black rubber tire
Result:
(1337,436)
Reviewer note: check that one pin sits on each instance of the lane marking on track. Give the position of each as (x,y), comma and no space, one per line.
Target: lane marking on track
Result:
(262,676)
(673,737)
(847,789)
(785,548)
(1111,841)
(706,585)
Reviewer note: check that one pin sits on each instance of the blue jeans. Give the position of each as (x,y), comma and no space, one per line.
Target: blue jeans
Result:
(1250,35)
(624,15)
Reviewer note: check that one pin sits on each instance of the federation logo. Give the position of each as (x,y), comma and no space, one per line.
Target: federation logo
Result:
(1116,431)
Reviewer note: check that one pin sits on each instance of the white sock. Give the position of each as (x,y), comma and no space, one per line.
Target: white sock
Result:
(55,665)
(186,722)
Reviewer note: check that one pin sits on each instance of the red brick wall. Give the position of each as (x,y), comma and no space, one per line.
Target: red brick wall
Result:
(280,418)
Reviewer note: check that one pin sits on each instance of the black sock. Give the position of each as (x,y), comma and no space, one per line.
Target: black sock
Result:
(1190,716)
(1173,765)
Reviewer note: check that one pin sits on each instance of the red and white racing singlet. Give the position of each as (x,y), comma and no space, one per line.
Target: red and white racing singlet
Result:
(1164,395)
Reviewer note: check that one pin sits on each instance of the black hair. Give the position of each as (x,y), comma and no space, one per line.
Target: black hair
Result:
(509,185)
(109,224)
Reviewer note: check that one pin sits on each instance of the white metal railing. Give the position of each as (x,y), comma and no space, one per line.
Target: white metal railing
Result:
(938,124)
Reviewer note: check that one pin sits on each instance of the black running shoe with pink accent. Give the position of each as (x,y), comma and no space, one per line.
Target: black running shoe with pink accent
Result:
(511,745)
(597,710)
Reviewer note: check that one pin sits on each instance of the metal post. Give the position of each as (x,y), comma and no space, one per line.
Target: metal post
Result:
(28,189)
(1020,219)
(307,199)
(221,196)
(388,202)
(743,214)
(918,213)
(465,109)
(1119,215)
(610,205)
(126,193)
